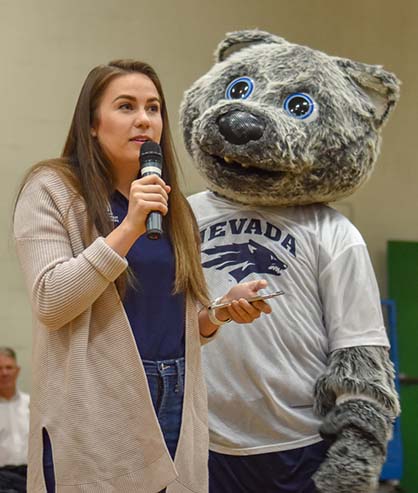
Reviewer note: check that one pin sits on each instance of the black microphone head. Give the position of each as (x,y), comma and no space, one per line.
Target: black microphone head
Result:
(151,151)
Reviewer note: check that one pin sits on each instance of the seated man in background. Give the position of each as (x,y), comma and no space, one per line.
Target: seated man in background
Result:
(14,426)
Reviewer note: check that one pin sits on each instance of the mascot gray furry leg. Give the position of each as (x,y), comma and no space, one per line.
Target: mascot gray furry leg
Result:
(357,398)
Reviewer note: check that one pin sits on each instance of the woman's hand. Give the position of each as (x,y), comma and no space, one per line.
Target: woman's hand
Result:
(147,194)
(240,310)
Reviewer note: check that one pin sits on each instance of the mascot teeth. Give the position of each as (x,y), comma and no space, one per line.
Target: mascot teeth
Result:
(229,160)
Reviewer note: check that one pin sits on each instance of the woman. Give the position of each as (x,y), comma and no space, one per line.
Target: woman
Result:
(116,349)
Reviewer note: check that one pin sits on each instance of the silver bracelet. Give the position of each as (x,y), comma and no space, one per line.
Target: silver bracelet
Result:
(212,315)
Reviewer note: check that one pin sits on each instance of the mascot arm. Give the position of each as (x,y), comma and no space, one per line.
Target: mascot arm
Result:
(357,398)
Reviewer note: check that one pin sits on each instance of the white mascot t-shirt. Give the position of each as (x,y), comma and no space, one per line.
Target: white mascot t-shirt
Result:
(261,376)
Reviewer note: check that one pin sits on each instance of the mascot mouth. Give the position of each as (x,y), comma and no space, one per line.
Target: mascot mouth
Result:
(244,169)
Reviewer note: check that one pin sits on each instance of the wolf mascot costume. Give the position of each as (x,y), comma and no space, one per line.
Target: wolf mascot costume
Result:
(278,130)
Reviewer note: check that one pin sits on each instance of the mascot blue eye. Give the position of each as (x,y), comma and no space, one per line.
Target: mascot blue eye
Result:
(240,88)
(299,105)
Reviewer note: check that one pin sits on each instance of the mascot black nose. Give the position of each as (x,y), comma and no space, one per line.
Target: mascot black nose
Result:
(239,127)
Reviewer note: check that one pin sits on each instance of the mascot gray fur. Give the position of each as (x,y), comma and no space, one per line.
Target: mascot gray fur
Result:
(274,125)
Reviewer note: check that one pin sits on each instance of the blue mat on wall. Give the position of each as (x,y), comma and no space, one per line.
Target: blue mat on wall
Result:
(392,468)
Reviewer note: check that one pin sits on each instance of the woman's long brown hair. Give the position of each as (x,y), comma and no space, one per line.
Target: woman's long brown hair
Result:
(85,167)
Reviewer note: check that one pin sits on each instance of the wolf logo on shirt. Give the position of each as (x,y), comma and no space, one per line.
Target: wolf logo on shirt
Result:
(247,257)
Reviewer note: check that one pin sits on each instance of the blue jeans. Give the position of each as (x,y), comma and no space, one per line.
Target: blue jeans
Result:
(166,384)
(48,462)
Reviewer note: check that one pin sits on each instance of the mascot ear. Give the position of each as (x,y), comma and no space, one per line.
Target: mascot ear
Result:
(237,40)
(380,86)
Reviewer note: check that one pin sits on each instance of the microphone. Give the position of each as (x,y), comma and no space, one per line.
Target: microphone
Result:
(151,162)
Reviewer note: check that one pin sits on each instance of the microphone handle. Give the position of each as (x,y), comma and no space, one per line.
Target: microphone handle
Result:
(154,226)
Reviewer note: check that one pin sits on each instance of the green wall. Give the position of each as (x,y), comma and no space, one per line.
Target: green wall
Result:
(403,288)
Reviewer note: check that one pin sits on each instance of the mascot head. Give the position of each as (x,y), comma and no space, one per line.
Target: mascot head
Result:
(276,123)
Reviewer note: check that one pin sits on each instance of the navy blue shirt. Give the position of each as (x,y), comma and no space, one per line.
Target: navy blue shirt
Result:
(155,314)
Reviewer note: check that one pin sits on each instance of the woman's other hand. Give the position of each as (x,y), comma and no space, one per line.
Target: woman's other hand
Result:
(240,310)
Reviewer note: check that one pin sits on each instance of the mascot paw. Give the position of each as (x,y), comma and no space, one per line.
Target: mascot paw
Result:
(353,465)
(359,431)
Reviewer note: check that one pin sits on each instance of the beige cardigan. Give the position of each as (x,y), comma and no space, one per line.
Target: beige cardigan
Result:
(89,387)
